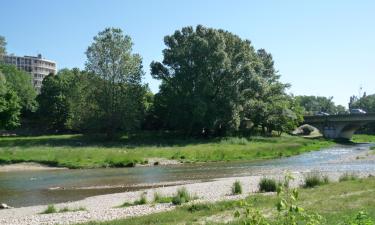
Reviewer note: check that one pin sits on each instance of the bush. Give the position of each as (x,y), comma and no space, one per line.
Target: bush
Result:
(267,185)
(237,188)
(50,209)
(362,218)
(347,177)
(313,180)
(181,197)
(198,207)
(158,198)
(142,200)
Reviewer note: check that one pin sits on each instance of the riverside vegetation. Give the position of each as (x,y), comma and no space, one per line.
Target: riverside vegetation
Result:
(79,151)
(321,205)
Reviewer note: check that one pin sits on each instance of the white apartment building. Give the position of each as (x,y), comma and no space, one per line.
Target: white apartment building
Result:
(38,67)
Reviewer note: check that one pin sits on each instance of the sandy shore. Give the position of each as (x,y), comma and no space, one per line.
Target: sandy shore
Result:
(104,207)
(26,166)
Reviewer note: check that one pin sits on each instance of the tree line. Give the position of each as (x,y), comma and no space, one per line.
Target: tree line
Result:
(213,83)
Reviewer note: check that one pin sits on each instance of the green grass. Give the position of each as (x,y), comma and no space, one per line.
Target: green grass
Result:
(182,196)
(362,138)
(315,179)
(267,185)
(79,151)
(336,202)
(158,198)
(348,176)
(52,209)
(141,201)
(237,188)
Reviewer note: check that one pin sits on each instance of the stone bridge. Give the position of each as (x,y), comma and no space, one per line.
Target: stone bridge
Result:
(339,126)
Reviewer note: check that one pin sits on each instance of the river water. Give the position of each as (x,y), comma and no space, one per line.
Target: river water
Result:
(25,188)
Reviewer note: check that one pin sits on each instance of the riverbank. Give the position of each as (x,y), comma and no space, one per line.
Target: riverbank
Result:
(106,207)
(26,167)
(77,151)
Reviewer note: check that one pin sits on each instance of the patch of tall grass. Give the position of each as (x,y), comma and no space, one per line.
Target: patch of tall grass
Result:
(315,179)
(267,185)
(237,188)
(347,177)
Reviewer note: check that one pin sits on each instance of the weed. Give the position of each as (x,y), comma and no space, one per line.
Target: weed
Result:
(267,185)
(50,209)
(315,179)
(347,177)
(158,198)
(182,196)
(237,188)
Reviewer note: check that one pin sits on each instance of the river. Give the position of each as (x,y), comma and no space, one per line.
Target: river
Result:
(25,188)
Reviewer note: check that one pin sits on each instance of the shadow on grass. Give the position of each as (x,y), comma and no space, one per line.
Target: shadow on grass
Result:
(143,139)
(140,139)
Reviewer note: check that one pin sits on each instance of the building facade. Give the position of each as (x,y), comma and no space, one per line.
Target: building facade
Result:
(36,66)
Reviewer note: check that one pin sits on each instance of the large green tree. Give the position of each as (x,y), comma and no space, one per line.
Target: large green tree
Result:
(9,106)
(20,82)
(55,99)
(117,100)
(211,80)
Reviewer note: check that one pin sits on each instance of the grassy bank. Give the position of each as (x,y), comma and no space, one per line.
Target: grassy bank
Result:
(363,138)
(336,202)
(78,151)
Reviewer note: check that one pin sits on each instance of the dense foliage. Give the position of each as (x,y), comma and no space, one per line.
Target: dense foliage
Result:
(315,104)
(9,106)
(212,80)
(213,83)
(367,103)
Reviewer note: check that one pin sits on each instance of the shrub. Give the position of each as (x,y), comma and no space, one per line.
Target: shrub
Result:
(181,197)
(50,209)
(158,198)
(313,180)
(267,185)
(142,200)
(347,177)
(362,218)
(237,188)
(198,207)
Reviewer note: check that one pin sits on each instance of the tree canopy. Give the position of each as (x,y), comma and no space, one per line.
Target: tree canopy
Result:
(9,106)
(212,80)
(315,104)
(117,100)
(20,82)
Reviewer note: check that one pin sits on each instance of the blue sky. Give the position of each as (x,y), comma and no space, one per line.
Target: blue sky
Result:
(321,47)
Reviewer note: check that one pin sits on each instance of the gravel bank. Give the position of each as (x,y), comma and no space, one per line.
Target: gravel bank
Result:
(27,166)
(103,207)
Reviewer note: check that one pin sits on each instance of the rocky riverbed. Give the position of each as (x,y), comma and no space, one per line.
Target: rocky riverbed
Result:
(105,207)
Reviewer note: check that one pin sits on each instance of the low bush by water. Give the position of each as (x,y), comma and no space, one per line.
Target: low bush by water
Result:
(267,185)
(52,209)
(182,196)
(348,176)
(237,188)
(315,179)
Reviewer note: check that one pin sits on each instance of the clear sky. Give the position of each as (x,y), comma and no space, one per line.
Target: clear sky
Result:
(321,47)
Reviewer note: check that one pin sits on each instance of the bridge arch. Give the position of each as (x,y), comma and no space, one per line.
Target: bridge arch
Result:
(339,126)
